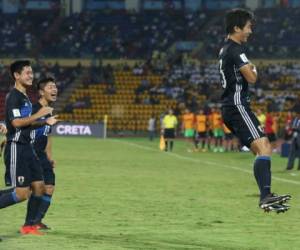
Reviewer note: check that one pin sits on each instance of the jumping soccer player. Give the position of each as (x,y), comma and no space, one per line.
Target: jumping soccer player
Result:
(19,156)
(236,73)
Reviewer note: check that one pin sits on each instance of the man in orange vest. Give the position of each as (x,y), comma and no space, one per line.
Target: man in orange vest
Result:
(188,126)
(201,128)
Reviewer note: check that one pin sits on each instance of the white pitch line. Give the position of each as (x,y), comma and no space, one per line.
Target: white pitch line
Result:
(204,161)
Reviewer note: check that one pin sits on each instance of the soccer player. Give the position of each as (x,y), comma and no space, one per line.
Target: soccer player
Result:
(43,147)
(217,129)
(236,73)
(201,126)
(169,125)
(19,156)
(188,125)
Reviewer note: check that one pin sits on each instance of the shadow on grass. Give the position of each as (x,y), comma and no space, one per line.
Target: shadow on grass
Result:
(10,236)
(252,195)
(137,242)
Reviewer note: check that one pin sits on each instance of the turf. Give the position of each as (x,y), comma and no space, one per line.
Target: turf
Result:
(126,194)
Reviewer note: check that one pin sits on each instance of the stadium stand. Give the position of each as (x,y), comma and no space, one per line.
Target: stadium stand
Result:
(166,78)
(121,34)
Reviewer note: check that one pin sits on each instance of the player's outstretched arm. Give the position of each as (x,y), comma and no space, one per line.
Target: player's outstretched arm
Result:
(52,120)
(31,120)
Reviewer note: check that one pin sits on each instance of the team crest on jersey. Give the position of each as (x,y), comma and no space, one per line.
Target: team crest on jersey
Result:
(21,180)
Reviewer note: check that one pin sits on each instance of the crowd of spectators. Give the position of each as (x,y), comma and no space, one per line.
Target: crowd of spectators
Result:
(21,34)
(275,34)
(186,80)
(278,84)
(111,34)
(121,34)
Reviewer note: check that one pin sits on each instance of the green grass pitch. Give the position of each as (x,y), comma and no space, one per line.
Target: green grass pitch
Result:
(126,194)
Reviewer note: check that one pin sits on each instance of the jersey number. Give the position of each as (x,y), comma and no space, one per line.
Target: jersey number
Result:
(223,80)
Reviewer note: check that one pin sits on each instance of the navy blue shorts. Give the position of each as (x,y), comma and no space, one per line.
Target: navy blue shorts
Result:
(22,165)
(243,123)
(47,167)
(169,133)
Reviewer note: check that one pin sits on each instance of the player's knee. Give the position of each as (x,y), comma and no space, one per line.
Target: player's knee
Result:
(49,189)
(38,188)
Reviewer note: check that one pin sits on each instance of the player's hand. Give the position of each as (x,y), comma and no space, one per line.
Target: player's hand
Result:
(44,111)
(53,163)
(3,129)
(52,120)
(253,68)
(3,143)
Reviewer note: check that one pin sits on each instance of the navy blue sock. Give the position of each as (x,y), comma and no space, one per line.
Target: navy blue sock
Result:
(8,199)
(7,190)
(262,173)
(43,208)
(171,145)
(32,208)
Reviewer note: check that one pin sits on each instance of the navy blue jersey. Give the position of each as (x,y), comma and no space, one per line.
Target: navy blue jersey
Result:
(40,135)
(231,58)
(17,105)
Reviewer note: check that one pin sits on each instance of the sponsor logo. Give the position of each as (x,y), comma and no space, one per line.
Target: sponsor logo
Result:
(73,130)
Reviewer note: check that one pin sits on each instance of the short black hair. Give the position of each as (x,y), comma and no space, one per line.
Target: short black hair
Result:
(43,82)
(239,18)
(17,67)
